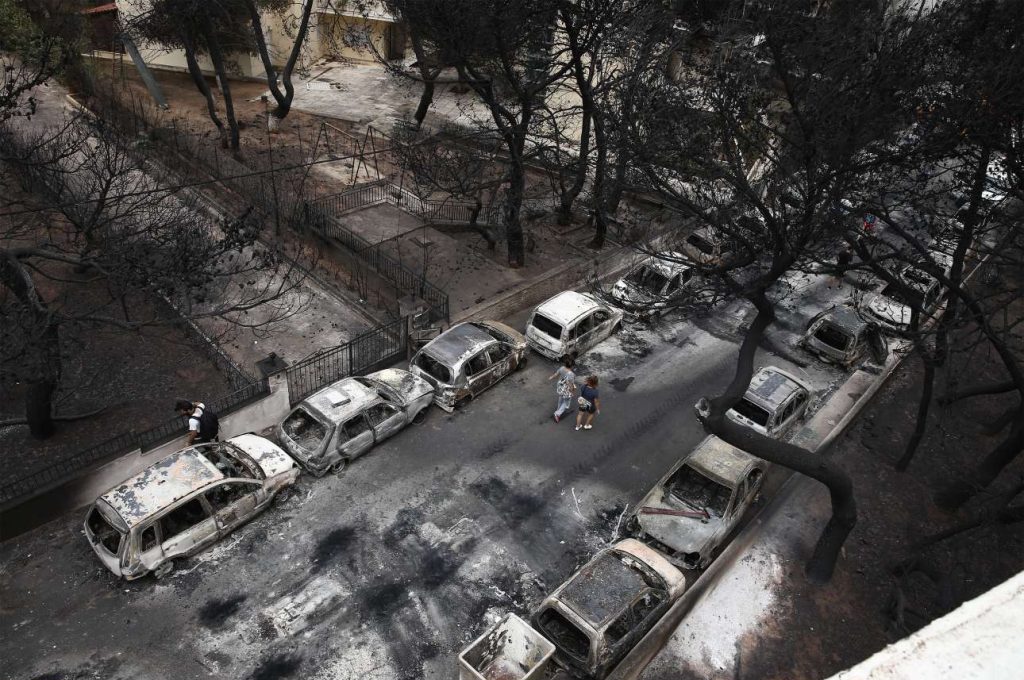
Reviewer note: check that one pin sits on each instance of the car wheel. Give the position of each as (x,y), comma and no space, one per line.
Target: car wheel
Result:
(461,403)
(631,529)
(420,416)
(339,467)
(164,569)
(522,363)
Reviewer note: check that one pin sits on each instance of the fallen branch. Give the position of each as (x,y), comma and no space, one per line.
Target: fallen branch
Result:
(60,419)
(977,391)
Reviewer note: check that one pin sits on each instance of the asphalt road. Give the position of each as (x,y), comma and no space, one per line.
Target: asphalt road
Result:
(391,568)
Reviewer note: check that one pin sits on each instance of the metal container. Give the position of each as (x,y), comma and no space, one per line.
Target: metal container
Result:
(509,650)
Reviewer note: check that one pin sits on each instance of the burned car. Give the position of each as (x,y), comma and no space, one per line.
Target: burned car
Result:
(570,322)
(468,358)
(775,401)
(646,290)
(184,503)
(694,508)
(343,421)
(604,609)
(707,247)
(891,306)
(840,336)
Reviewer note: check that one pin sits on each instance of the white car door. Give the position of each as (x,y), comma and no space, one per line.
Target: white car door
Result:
(187,527)
(386,420)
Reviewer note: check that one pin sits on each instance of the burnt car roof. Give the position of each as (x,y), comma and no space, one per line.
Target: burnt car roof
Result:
(721,461)
(567,306)
(771,386)
(160,485)
(457,342)
(845,317)
(603,588)
(341,399)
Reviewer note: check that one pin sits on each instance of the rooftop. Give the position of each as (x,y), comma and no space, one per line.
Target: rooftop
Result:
(720,461)
(342,398)
(161,485)
(603,588)
(566,307)
(457,341)
(771,386)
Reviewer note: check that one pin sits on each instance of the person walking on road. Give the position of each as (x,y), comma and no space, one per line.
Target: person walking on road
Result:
(565,388)
(203,424)
(590,403)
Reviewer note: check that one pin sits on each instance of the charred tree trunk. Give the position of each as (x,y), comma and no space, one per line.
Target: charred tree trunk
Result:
(220,67)
(513,219)
(822,563)
(429,77)
(960,491)
(283,100)
(200,82)
(922,413)
(600,185)
(979,390)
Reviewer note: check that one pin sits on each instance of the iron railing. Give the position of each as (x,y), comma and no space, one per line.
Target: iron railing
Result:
(117,446)
(371,350)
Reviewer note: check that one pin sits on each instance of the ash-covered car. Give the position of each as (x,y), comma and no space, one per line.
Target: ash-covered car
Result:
(341,422)
(839,335)
(185,502)
(604,609)
(775,401)
(468,358)
(693,509)
(570,322)
(707,247)
(646,291)
(892,305)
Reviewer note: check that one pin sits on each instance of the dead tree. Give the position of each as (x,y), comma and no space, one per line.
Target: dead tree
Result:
(283,99)
(101,220)
(759,142)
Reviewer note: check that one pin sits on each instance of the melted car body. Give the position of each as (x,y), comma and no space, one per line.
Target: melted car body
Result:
(467,359)
(706,247)
(839,335)
(346,419)
(185,502)
(603,610)
(570,322)
(892,305)
(647,289)
(775,401)
(693,509)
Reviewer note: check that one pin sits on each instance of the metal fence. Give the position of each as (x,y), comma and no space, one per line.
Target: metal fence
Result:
(123,443)
(371,350)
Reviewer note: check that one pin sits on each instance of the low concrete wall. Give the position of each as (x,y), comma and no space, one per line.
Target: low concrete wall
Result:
(77,493)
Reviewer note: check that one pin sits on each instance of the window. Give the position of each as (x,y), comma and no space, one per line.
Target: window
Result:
(477,364)
(224,495)
(833,337)
(223,457)
(643,607)
(687,276)
(183,518)
(699,492)
(701,244)
(752,411)
(621,626)
(585,325)
(378,413)
(103,533)
(601,316)
(354,427)
(434,368)
(499,352)
(304,430)
(564,634)
(547,326)
(147,540)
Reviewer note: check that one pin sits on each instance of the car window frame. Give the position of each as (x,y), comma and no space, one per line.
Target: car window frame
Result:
(391,410)
(200,498)
(239,481)
(482,371)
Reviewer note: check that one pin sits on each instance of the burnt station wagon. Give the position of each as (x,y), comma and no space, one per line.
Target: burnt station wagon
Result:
(184,503)
(604,609)
(690,513)
(468,358)
(346,419)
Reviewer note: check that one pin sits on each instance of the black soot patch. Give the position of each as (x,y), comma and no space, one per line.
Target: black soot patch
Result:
(621,384)
(217,611)
(331,546)
(276,667)
(513,506)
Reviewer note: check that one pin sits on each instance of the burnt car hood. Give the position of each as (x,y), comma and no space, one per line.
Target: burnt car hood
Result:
(682,534)
(889,311)
(630,294)
(407,384)
(271,459)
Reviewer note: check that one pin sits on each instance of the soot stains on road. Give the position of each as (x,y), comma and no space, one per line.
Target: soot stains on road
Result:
(513,507)
(331,546)
(216,612)
(621,384)
(276,667)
